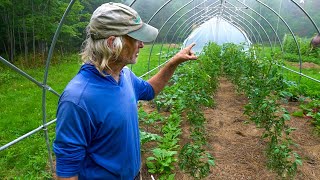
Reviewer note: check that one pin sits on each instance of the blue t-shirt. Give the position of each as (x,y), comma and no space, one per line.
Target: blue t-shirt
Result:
(97,132)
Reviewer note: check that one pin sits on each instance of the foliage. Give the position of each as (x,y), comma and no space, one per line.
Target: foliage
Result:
(146,137)
(163,159)
(312,110)
(162,162)
(261,80)
(290,46)
(195,161)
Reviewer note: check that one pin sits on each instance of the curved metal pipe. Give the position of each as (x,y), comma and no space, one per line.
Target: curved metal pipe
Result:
(189,22)
(247,27)
(281,46)
(295,40)
(44,90)
(231,23)
(212,15)
(310,18)
(132,3)
(181,25)
(160,8)
(257,23)
(149,59)
(236,26)
(165,38)
(254,27)
(24,74)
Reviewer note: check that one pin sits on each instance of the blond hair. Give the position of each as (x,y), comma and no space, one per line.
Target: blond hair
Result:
(98,52)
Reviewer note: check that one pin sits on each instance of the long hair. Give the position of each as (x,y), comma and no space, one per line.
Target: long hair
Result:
(98,52)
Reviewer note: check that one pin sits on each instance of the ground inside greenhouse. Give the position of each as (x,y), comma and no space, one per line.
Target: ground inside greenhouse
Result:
(238,148)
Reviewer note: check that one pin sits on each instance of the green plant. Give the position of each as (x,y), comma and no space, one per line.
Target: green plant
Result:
(194,160)
(162,161)
(147,137)
(262,81)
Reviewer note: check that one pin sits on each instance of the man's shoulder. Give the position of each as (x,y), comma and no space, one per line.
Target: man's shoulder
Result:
(75,89)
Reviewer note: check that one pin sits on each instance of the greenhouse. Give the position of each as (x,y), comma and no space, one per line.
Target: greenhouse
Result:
(166,89)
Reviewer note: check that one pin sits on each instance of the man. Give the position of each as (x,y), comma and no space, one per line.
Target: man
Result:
(97,133)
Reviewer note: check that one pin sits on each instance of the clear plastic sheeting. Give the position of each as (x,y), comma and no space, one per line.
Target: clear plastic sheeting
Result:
(216,30)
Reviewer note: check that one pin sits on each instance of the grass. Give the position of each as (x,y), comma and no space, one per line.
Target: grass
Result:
(142,66)
(21,112)
(307,86)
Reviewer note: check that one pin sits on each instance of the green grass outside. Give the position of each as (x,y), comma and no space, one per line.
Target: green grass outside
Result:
(21,112)
(308,86)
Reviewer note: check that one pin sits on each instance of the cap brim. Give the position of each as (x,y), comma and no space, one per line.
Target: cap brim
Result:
(146,33)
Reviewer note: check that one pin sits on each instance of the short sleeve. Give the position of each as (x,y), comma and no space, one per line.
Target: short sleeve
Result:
(143,89)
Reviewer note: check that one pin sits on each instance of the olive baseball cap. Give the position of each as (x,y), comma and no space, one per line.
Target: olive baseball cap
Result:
(116,19)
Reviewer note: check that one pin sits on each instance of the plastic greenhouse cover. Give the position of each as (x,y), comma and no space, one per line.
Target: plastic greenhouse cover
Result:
(216,30)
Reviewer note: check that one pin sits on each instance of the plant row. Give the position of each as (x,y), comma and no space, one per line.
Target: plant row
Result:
(261,80)
(191,89)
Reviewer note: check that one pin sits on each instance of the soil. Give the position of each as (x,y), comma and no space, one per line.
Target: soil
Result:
(238,147)
(305,65)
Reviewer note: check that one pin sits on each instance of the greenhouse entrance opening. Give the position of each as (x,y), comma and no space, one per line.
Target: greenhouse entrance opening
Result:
(217,30)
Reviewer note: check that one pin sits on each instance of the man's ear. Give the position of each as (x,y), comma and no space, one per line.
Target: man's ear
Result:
(110,41)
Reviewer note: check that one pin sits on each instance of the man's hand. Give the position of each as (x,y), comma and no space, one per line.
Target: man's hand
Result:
(185,55)
(159,80)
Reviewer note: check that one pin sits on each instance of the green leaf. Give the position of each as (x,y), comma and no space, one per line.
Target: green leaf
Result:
(211,162)
(286,117)
(298,161)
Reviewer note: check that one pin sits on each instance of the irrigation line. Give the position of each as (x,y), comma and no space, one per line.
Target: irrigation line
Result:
(147,73)
(301,74)
(26,135)
(24,74)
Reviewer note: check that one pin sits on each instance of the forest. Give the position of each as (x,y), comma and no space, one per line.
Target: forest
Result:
(27,26)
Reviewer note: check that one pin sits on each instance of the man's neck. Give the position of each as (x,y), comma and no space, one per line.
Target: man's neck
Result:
(115,70)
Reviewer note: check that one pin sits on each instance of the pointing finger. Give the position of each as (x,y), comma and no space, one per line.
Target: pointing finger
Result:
(191,45)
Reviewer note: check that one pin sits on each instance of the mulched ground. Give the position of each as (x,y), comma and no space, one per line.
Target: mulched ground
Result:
(238,148)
